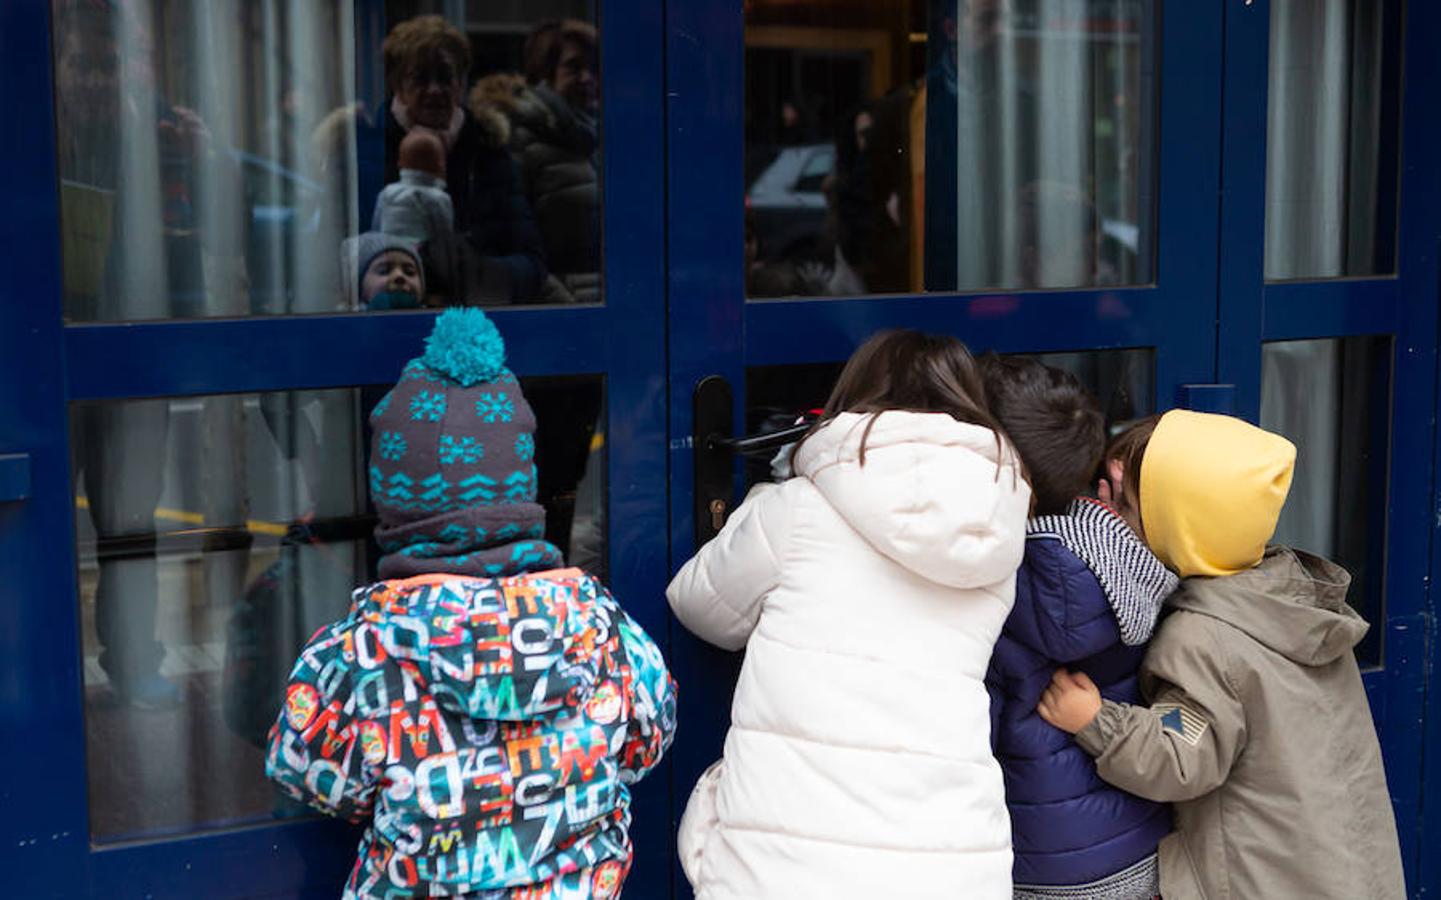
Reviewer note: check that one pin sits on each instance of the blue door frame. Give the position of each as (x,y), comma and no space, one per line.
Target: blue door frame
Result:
(1403,307)
(675,312)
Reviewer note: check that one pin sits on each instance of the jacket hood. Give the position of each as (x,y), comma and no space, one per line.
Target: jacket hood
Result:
(1212,488)
(1292,602)
(937,496)
(1135,582)
(538,644)
(533,113)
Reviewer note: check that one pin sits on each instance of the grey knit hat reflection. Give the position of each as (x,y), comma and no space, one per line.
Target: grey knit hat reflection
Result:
(452,462)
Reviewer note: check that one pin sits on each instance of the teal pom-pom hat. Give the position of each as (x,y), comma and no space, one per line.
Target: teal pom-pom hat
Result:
(452,461)
(465,347)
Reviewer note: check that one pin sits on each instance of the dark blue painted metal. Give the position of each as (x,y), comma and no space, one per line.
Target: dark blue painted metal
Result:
(1415,461)
(704,78)
(1188,214)
(1211,398)
(1296,310)
(44,832)
(14,477)
(308,858)
(634,334)
(799,331)
(1243,203)
(206,357)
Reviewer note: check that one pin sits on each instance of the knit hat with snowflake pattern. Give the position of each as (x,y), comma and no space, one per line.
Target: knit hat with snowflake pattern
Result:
(452,461)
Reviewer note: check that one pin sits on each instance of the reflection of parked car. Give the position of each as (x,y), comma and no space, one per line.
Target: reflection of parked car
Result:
(787,204)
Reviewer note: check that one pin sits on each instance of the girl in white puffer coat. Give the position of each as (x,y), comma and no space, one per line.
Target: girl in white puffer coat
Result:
(868,592)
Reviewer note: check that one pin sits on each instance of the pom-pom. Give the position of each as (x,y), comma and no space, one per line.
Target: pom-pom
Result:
(465,347)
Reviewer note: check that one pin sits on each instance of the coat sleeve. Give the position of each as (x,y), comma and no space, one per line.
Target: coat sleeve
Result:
(1184,744)
(316,751)
(652,699)
(718,593)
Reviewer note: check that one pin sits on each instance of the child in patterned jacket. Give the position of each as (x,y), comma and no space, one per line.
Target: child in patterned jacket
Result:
(482,710)
(1087,596)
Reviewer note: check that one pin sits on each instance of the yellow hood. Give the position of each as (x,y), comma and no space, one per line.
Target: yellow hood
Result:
(1212,488)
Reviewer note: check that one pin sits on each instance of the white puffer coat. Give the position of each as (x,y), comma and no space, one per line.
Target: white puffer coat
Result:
(868,599)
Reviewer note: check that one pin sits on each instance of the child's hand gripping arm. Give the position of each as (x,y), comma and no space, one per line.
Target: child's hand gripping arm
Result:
(318,747)
(652,695)
(717,595)
(1180,747)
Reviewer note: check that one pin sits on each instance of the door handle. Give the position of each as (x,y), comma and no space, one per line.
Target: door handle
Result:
(716,449)
(711,437)
(759,443)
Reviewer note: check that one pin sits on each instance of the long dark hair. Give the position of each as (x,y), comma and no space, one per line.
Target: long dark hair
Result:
(909,371)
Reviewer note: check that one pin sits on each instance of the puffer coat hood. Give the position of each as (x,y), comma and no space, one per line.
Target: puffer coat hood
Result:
(868,599)
(932,494)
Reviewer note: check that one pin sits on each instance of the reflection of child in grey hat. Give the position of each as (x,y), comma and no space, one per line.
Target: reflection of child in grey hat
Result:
(383,272)
(478,647)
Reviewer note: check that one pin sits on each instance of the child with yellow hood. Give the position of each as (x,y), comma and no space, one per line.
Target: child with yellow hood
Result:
(1258,730)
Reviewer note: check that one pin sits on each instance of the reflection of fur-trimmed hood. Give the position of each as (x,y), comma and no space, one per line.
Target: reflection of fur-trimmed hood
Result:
(506,97)
(494,126)
(537,114)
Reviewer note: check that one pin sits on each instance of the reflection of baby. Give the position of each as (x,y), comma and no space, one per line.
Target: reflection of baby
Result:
(417,206)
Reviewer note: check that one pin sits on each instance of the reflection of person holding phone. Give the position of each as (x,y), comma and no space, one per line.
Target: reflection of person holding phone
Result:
(132,250)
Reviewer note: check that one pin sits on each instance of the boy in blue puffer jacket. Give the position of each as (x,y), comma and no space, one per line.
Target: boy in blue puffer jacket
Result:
(482,710)
(1087,597)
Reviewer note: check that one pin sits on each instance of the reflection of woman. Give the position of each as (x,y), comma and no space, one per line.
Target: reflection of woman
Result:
(869,198)
(426,61)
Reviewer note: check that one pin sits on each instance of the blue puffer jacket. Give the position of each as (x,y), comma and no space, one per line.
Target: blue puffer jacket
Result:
(1087,598)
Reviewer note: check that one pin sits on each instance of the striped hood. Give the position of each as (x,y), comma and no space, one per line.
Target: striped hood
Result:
(1135,582)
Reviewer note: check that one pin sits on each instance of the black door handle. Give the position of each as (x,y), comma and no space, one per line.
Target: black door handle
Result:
(759,443)
(716,449)
(714,474)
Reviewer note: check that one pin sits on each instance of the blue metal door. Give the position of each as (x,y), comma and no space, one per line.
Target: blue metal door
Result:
(77,826)
(1239,318)
(1167,313)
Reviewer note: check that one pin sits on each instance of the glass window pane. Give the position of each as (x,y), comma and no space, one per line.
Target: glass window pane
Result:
(187,193)
(968,145)
(1123,382)
(216,534)
(1332,399)
(1332,139)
